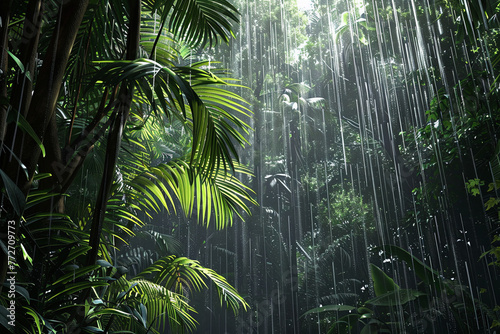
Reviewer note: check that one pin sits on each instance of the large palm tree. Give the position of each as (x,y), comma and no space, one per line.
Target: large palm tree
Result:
(85,85)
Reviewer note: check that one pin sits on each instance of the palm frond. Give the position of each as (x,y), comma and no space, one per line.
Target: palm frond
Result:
(180,273)
(163,306)
(216,196)
(191,95)
(165,244)
(197,22)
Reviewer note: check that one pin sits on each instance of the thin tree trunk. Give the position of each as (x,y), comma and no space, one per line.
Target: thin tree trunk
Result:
(115,136)
(5,8)
(41,110)
(114,143)
(28,47)
(112,151)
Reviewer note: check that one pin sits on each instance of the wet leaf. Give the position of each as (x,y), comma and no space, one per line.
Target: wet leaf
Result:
(492,202)
(381,282)
(14,194)
(395,298)
(328,308)
(423,271)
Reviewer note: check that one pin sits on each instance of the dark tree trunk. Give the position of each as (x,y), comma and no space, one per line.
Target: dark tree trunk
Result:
(28,47)
(41,109)
(115,136)
(5,8)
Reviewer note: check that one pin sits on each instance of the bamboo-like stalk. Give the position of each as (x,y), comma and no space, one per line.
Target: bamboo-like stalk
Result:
(28,47)
(5,9)
(40,111)
(46,92)
(115,136)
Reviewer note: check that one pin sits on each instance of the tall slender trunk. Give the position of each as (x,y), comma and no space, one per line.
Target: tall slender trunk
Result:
(119,121)
(112,152)
(114,142)
(5,8)
(28,47)
(115,136)
(293,158)
(41,109)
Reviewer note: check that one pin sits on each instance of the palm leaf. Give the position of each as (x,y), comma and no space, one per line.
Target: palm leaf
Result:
(162,304)
(179,273)
(218,195)
(197,22)
(191,95)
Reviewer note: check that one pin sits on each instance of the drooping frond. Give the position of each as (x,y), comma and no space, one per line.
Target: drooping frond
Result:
(153,305)
(192,95)
(197,22)
(216,196)
(180,273)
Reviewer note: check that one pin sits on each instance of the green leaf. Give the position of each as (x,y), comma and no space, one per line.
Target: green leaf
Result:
(345,18)
(364,310)
(98,302)
(92,329)
(491,202)
(492,186)
(124,293)
(104,263)
(180,273)
(395,298)
(26,127)
(14,194)
(381,282)
(76,252)
(424,272)
(111,311)
(26,255)
(39,321)
(328,308)
(23,292)
(72,288)
(20,64)
(71,276)
(199,22)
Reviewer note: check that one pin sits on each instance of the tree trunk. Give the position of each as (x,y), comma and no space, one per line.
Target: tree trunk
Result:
(5,8)
(40,111)
(28,47)
(115,136)
(46,93)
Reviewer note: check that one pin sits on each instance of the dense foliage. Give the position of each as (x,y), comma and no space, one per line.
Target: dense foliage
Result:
(108,116)
(375,150)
